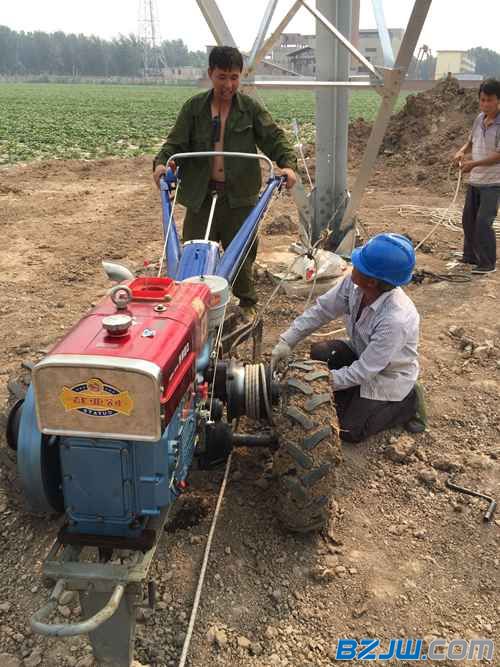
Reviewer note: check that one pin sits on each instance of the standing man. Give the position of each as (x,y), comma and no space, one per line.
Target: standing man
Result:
(483,191)
(224,119)
(374,373)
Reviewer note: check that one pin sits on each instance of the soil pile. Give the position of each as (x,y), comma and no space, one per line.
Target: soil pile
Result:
(431,127)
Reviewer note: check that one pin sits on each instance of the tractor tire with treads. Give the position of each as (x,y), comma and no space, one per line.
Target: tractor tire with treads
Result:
(309,453)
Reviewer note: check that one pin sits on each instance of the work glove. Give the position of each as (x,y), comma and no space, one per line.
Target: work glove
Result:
(280,352)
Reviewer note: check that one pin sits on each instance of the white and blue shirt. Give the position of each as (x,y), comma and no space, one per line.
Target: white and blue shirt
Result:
(385,339)
(485,142)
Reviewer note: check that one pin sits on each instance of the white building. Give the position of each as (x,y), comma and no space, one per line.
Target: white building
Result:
(457,63)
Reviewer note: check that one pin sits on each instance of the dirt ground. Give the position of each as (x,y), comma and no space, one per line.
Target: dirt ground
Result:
(405,557)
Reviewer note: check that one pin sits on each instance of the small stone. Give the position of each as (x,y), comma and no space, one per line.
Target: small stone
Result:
(256,648)
(428,476)
(87,661)
(321,574)
(217,637)
(244,643)
(5,607)
(64,611)
(271,632)
(420,534)
(456,331)
(67,597)
(274,659)
(357,613)
(352,570)
(8,660)
(340,571)
(276,595)
(179,639)
(331,561)
(34,659)
(227,551)
(445,464)
(195,539)
(402,450)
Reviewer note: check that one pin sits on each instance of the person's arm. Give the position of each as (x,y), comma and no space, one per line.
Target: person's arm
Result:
(177,142)
(328,306)
(493,158)
(272,141)
(466,148)
(386,341)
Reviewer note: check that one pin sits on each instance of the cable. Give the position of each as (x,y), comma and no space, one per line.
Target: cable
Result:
(439,222)
(449,217)
(201,580)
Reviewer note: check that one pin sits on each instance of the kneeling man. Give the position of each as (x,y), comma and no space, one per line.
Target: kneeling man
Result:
(374,372)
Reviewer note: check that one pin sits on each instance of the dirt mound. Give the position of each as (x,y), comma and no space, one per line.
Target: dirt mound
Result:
(422,138)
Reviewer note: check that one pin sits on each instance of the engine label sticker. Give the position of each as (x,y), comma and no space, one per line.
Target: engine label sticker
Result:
(96,399)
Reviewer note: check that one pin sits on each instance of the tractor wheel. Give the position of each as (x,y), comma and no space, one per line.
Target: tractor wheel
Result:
(309,452)
(17,387)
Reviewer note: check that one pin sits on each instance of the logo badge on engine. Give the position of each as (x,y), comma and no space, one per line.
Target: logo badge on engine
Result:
(96,399)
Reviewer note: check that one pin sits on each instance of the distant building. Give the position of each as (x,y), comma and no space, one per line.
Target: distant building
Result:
(182,73)
(457,63)
(266,68)
(370,46)
(297,52)
(289,43)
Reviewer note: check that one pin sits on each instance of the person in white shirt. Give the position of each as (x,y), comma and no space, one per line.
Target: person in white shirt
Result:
(483,190)
(373,373)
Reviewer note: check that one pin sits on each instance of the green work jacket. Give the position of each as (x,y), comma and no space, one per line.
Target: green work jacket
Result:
(249,126)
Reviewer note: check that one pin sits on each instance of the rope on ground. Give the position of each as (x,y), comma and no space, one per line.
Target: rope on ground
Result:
(201,579)
(449,217)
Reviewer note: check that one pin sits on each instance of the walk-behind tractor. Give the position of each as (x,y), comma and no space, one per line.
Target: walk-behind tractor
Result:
(138,392)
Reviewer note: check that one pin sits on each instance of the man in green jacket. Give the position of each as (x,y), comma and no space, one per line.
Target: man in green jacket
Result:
(224,119)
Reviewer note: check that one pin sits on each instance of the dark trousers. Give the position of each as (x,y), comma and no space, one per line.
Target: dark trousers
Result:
(480,211)
(226,223)
(360,417)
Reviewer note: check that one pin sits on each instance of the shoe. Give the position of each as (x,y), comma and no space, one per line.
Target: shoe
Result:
(415,426)
(418,423)
(483,270)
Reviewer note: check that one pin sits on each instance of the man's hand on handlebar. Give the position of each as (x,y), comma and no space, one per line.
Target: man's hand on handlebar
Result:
(161,170)
(291,177)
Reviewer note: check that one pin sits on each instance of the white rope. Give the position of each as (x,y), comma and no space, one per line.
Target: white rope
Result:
(201,580)
(449,217)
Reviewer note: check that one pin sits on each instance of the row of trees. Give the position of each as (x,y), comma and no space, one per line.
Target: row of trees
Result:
(80,55)
(487,62)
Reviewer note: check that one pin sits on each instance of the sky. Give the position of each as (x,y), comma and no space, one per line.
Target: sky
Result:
(451,24)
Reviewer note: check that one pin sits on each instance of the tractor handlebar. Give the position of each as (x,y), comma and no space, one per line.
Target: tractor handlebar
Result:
(73,629)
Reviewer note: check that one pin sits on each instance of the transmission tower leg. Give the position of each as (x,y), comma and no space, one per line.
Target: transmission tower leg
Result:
(326,117)
(342,122)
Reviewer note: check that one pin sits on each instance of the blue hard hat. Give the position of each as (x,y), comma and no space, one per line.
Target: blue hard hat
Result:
(387,257)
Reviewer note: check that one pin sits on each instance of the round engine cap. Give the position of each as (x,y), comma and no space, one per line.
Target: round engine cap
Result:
(117,325)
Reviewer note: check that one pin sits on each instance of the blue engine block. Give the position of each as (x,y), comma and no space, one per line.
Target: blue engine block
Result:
(110,487)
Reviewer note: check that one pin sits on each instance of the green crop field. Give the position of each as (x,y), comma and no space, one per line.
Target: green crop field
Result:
(43,121)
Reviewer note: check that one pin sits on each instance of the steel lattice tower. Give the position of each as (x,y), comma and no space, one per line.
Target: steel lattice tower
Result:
(150,38)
